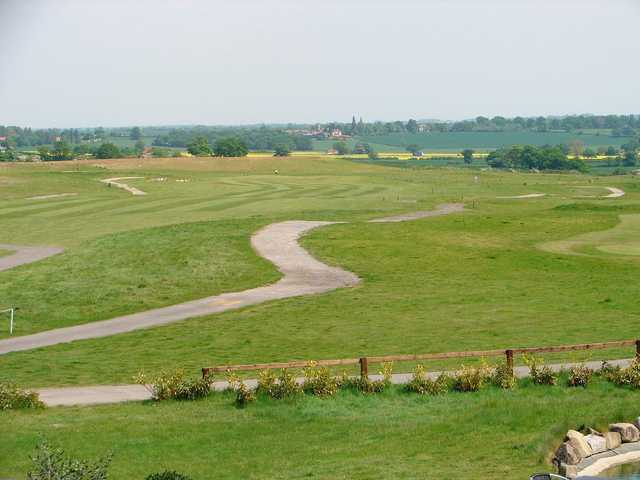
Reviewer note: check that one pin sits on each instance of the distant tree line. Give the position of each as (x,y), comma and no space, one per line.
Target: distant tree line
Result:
(530,157)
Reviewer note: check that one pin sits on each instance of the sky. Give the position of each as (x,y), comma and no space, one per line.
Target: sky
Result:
(84,63)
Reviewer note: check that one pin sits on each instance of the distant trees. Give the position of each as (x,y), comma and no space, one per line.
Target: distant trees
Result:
(135,134)
(281,150)
(589,153)
(531,157)
(108,150)
(199,147)
(230,147)
(412,126)
(576,147)
(612,151)
(139,147)
(341,148)
(467,156)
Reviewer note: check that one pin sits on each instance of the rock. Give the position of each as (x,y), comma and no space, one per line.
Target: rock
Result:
(579,443)
(597,443)
(636,423)
(569,471)
(613,440)
(567,454)
(595,432)
(628,432)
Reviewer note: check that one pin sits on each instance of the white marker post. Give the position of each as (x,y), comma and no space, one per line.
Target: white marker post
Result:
(11,312)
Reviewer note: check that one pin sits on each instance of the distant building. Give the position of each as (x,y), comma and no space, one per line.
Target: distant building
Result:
(336,133)
(332,151)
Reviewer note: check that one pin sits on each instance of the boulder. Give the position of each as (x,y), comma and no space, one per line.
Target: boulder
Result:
(567,454)
(636,422)
(613,440)
(597,443)
(628,432)
(569,471)
(579,443)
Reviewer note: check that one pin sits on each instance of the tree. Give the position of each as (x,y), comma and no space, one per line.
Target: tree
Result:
(413,149)
(373,155)
(412,126)
(230,147)
(590,153)
(281,150)
(354,125)
(139,147)
(630,158)
(612,151)
(341,148)
(61,151)
(108,150)
(467,155)
(199,146)
(135,134)
(576,147)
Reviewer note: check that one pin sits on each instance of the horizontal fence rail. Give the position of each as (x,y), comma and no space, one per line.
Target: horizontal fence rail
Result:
(365,361)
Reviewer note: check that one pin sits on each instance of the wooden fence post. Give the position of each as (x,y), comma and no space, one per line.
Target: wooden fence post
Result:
(364,368)
(509,354)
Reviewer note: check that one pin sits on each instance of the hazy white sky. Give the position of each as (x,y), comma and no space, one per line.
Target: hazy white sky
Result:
(151,62)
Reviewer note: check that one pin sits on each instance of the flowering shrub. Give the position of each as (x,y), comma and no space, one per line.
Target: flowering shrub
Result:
(503,377)
(540,374)
(12,397)
(319,381)
(471,379)
(173,385)
(421,384)
(579,376)
(51,464)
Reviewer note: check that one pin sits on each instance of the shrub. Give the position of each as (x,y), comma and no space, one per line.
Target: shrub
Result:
(471,379)
(286,387)
(579,376)
(611,373)
(167,475)
(173,385)
(629,376)
(266,382)
(12,397)
(244,395)
(319,381)
(503,377)
(540,374)
(51,464)
(421,384)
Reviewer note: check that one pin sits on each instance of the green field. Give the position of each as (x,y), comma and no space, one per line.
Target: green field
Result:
(444,141)
(490,434)
(482,279)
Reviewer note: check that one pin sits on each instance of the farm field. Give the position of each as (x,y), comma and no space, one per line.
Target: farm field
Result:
(486,140)
(479,279)
(389,435)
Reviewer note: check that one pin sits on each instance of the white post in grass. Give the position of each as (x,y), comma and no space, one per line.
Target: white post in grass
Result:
(11,312)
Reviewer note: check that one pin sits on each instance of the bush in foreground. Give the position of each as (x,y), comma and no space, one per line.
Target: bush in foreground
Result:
(12,398)
(50,463)
(173,385)
(422,384)
(540,374)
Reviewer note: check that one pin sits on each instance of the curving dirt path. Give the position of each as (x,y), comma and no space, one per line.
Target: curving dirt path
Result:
(528,195)
(55,195)
(278,243)
(24,255)
(615,192)
(115,182)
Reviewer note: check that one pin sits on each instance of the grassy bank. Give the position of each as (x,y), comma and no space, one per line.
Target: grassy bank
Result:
(491,434)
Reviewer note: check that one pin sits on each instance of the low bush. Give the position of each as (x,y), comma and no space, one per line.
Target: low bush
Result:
(422,384)
(319,381)
(503,377)
(266,382)
(12,398)
(167,475)
(173,385)
(50,463)
(286,386)
(579,376)
(629,376)
(471,379)
(540,374)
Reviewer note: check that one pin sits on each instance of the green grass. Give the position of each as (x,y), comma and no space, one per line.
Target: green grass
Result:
(441,141)
(502,289)
(490,434)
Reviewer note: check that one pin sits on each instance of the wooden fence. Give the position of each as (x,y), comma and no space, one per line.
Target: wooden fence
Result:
(365,361)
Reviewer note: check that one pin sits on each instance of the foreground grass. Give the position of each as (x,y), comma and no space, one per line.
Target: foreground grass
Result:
(490,434)
(500,291)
